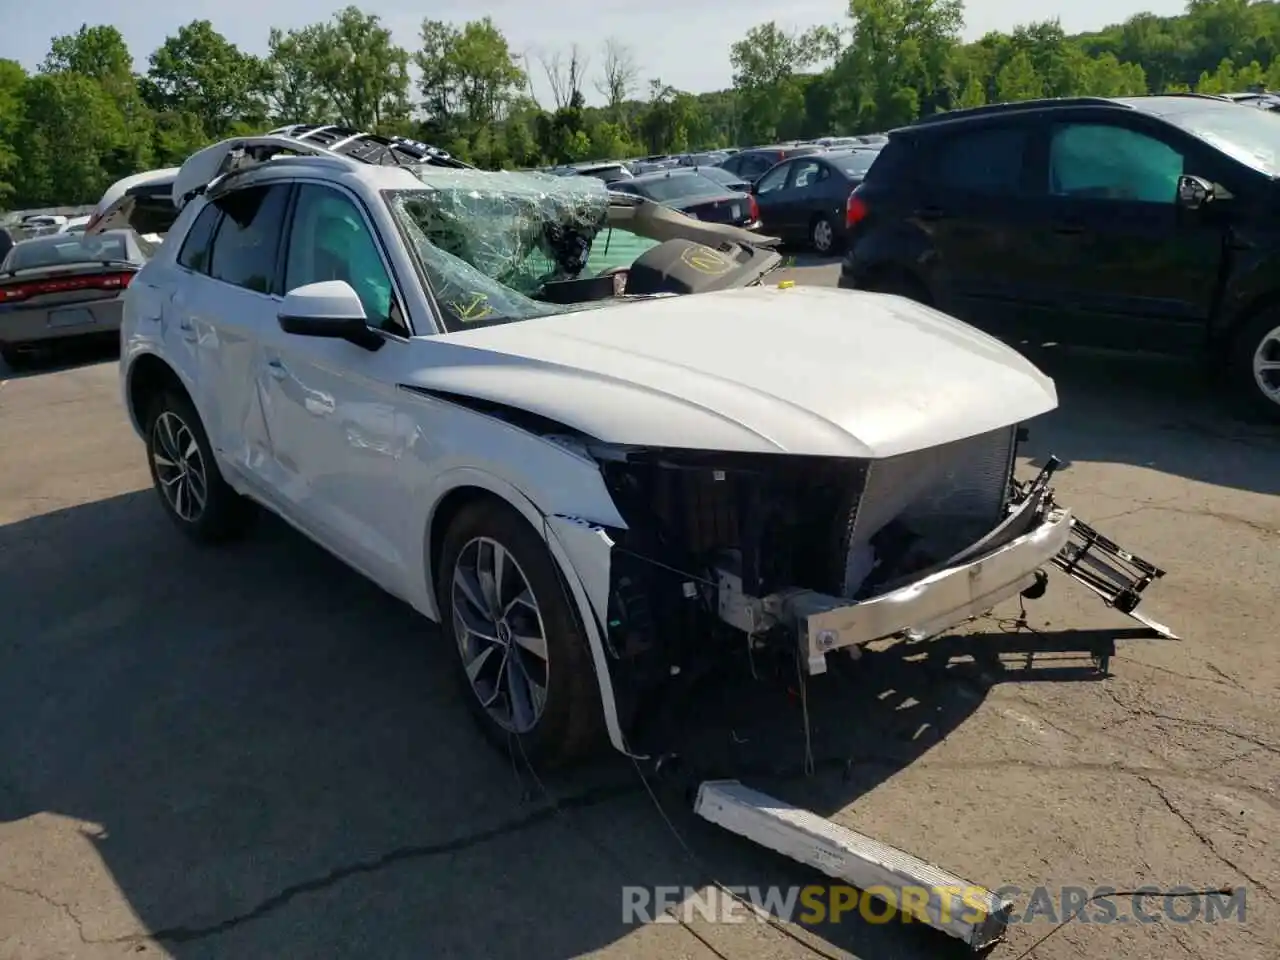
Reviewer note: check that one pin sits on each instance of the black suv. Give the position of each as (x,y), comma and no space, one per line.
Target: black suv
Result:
(1143,223)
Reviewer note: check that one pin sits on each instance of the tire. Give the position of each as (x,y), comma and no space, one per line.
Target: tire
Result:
(569,726)
(14,359)
(1256,342)
(822,236)
(182,464)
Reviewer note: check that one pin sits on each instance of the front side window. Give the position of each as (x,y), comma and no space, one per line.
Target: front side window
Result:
(329,240)
(773,180)
(987,162)
(1100,162)
(248,237)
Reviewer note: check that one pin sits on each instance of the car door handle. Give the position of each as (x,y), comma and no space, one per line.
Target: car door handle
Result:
(1068,229)
(930,213)
(276,369)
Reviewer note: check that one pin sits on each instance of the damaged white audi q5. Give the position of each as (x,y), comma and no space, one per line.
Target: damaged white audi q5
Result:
(580,431)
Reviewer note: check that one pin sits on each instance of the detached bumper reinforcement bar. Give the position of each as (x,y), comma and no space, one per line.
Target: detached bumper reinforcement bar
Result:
(964,910)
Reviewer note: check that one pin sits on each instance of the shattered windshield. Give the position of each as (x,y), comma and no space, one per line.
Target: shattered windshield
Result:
(489,242)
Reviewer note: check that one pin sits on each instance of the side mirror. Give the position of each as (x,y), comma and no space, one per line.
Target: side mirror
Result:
(330,309)
(1194,192)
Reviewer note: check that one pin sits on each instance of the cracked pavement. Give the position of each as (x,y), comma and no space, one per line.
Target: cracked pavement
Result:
(252,752)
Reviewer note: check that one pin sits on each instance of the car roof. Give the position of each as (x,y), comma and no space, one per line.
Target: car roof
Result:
(1159,105)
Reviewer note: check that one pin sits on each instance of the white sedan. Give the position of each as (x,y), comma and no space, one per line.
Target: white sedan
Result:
(586,478)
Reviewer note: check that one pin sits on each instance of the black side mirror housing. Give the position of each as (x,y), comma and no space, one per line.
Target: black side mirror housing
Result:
(1195,192)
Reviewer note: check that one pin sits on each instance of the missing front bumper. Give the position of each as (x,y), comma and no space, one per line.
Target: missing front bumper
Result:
(926,606)
(1006,562)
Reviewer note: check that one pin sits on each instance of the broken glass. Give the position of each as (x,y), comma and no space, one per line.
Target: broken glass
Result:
(521,229)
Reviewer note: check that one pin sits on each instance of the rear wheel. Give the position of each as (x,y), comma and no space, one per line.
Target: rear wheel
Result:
(14,358)
(523,657)
(187,478)
(822,235)
(1254,365)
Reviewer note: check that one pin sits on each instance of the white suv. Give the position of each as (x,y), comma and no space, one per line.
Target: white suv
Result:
(585,489)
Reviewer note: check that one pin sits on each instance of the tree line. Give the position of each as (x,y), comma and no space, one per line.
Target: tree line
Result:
(85,118)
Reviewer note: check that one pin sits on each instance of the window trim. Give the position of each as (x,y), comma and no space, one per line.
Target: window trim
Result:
(397,295)
(287,186)
(213,232)
(786,176)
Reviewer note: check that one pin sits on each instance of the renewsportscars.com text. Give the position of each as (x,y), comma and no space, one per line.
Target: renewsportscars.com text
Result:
(833,903)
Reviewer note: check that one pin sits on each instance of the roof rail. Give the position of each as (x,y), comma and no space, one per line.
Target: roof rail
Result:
(1015,106)
(1202,96)
(205,167)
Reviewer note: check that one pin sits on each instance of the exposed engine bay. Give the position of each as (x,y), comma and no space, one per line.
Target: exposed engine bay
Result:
(810,556)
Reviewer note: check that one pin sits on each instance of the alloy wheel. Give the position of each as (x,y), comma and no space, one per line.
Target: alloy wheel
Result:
(1266,366)
(823,235)
(500,634)
(180,467)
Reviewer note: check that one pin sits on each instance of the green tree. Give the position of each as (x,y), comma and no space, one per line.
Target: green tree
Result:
(765,66)
(296,95)
(1018,80)
(101,54)
(361,71)
(200,72)
(898,61)
(13,80)
(72,123)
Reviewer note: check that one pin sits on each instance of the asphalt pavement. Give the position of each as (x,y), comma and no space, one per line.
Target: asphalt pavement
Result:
(252,752)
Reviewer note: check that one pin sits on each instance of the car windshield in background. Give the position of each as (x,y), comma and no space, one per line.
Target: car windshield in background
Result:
(680,186)
(855,164)
(1249,135)
(64,249)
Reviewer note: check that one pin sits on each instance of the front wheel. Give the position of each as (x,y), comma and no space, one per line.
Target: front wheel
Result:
(523,657)
(1254,365)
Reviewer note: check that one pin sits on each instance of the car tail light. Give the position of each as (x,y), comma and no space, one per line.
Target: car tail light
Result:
(753,209)
(34,288)
(855,210)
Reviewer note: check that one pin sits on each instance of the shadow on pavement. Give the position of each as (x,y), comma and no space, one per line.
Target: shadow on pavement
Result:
(281,763)
(1162,414)
(65,356)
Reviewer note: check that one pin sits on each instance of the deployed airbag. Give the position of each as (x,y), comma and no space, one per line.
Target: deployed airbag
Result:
(685,266)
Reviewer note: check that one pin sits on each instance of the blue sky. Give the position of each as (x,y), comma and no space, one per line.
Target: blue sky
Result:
(688,47)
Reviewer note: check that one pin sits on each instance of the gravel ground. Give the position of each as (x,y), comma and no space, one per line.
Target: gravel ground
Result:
(253,752)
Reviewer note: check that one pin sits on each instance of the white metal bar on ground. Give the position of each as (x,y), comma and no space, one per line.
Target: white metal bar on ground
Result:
(955,906)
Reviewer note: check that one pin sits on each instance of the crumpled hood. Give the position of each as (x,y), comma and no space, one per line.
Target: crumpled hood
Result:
(799,370)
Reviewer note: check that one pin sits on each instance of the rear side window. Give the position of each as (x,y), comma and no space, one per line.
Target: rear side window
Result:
(988,162)
(892,162)
(248,237)
(194,254)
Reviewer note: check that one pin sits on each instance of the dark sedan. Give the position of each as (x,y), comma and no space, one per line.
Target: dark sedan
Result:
(695,195)
(804,198)
(755,162)
(61,286)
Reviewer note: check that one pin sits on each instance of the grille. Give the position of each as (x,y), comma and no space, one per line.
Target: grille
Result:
(948,496)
